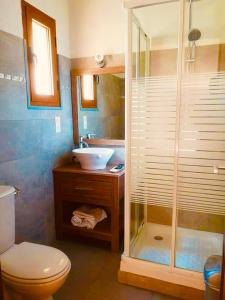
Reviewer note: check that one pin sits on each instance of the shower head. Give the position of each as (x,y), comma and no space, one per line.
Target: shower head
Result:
(194,35)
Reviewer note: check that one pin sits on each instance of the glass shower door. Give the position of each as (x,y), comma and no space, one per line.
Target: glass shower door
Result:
(140,67)
(153,128)
(177,134)
(201,156)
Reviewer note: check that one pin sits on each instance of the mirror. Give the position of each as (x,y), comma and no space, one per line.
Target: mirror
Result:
(99,105)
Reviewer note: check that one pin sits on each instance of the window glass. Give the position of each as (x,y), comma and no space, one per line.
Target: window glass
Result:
(88,87)
(42,57)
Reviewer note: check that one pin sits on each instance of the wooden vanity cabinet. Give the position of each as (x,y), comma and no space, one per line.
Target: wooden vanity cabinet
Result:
(74,187)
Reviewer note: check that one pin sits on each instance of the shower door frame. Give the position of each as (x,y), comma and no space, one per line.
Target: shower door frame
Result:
(129,264)
(140,31)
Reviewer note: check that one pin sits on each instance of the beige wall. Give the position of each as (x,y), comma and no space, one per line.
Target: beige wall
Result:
(186,219)
(89,62)
(208,59)
(97,26)
(11,20)
(164,62)
(10,17)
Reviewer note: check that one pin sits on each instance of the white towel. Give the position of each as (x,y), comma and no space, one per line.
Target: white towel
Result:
(86,216)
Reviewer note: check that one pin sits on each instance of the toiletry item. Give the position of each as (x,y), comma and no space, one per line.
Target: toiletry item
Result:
(117,168)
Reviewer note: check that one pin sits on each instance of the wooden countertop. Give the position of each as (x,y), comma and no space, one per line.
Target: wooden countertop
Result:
(76,168)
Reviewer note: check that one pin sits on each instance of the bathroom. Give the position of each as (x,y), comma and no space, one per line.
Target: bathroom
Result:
(132,52)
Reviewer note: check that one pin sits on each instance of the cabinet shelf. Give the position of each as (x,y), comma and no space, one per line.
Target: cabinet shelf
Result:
(101,231)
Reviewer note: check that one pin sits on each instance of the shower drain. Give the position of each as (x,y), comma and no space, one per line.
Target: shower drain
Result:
(158,238)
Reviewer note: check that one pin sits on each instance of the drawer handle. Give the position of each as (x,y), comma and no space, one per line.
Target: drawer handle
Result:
(83,188)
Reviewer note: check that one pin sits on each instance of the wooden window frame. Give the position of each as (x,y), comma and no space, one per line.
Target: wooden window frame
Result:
(90,103)
(29,12)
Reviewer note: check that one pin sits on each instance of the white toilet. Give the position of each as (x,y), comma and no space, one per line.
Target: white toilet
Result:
(28,271)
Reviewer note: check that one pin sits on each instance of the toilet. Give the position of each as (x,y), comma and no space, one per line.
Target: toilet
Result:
(28,271)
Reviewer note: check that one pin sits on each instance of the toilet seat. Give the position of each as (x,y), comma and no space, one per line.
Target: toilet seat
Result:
(17,280)
(29,263)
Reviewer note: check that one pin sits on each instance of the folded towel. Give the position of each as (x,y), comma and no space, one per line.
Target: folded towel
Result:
(86,216)
(89,212)
(83,223)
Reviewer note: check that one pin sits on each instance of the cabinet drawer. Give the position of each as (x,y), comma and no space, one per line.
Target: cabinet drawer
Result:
(92,191)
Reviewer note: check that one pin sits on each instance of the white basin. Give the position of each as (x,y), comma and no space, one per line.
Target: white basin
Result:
(93,158)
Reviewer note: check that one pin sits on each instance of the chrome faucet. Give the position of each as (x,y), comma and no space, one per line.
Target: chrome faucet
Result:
(82,143)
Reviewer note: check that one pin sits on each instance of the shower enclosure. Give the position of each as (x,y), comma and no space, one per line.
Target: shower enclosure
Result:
(175,139)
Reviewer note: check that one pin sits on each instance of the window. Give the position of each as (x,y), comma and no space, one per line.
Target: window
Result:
(88,91)
(40,35)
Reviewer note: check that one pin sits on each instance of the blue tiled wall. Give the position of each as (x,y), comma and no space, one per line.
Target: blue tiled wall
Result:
(29,145)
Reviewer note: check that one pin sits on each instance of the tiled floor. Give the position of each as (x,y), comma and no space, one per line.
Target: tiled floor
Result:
(94,275)
(192,249)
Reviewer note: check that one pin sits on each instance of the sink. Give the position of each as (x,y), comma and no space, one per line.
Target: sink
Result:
(93,158)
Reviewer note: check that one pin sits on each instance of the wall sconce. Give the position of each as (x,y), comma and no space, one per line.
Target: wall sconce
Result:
(99,58)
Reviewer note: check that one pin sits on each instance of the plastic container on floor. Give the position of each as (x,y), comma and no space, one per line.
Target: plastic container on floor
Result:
(212,277)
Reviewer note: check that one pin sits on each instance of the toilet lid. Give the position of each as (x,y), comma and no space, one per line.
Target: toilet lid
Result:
(33,261)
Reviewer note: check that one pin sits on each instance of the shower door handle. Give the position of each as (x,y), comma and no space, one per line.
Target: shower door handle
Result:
(217,168)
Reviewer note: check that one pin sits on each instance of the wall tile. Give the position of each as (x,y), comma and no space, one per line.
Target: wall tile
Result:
(29,145)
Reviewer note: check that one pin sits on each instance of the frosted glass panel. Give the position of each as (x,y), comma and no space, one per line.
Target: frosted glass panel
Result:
(42,59)
(152,156)
(153,140)
(153,129)
(201,182)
